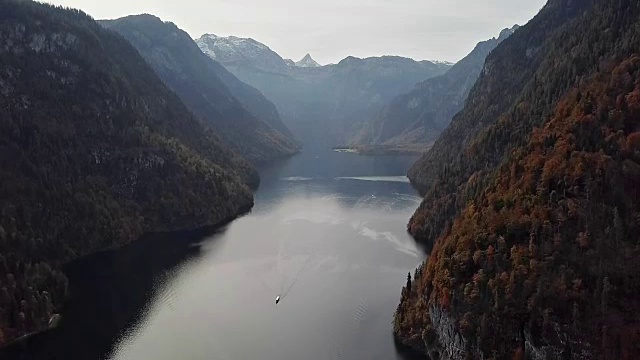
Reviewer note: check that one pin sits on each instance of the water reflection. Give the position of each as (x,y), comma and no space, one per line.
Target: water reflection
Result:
(333,246)
(327,233)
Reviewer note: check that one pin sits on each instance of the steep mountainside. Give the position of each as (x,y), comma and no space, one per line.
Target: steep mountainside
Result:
(534,199)
(358,88)
(201,84)
(322,104)
(94,151)
(253,100)
(418,117)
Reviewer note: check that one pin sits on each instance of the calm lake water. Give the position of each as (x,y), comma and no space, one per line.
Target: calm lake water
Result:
(327,234)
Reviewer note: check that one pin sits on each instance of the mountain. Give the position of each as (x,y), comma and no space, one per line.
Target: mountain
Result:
(258,105)
(321,105)
(235,109)
(241,52)
(440,62)
(416,119)
(307,61)
(95,150)
(532,201)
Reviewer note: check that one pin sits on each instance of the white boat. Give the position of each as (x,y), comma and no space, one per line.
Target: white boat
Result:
(277,299)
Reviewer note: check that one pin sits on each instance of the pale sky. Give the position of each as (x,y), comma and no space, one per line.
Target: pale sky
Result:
(330,30)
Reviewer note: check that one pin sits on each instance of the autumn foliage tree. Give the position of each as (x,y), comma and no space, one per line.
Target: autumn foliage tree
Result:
(549,250)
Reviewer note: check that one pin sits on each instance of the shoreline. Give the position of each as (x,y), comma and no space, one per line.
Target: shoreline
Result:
(383,149)
(93,276)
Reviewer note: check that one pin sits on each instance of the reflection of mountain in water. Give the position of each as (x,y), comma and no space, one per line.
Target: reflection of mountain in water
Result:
(111,289)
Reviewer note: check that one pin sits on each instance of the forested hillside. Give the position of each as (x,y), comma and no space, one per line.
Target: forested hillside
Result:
(536,219)
(416,119)
(94,151)
(240,113)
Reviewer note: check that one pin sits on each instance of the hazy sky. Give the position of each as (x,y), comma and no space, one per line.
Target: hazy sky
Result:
(333,29)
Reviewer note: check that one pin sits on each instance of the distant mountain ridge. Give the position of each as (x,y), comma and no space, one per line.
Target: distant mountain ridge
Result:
(246,120)
(241,52)
(307,61)
(415,120)
(442,62)
(321,104)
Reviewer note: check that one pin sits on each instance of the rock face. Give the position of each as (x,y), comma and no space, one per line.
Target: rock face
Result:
(321,104)
(95,150)
(532,199)
(246,120)
(418,117)
(453,344)
(241,52)
(307,61)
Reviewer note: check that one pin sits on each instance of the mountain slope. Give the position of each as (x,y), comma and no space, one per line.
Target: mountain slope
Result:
(241,52)
(195,79)
(358,88)
(258,105)
(418,117)
(307,61)
(321,105)
(532,194)
(94,151)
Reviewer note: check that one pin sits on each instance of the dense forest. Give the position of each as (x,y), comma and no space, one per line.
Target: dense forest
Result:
(417,118)
(95,150)
(535,219)
(236,112)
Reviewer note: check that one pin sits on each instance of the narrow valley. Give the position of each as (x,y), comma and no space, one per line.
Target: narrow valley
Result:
(175,185)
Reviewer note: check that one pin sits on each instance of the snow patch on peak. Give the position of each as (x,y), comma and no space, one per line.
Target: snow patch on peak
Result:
(209,36)
(440,62)
(238,41)
(238,50)
(231,41)
(206,43)
(307,61)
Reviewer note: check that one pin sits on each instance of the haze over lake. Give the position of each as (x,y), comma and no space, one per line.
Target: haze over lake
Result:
(328,235)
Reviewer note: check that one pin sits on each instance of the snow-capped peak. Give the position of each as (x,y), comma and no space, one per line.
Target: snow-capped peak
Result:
(307,61)
(440,62)
(233,49)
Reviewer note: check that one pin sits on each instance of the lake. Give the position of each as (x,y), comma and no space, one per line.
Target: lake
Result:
(327,234)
